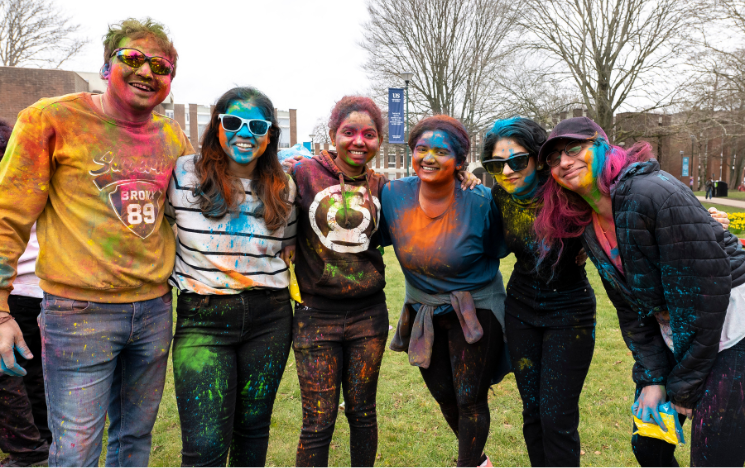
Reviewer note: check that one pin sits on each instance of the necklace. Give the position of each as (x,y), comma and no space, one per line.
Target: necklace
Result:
(103,109)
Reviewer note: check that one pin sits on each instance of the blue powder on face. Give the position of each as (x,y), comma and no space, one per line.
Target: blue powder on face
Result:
(530,188)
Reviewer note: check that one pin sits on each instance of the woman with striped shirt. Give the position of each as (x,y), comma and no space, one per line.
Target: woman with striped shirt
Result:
(233,207)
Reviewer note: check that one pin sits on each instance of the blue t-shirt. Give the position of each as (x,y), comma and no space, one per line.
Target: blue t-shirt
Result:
(456,251)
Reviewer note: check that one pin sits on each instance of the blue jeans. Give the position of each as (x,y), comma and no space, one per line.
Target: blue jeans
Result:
(100,357)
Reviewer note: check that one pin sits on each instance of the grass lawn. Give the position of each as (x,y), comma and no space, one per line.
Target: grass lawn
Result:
(412,430)
(731,194)
(725,208)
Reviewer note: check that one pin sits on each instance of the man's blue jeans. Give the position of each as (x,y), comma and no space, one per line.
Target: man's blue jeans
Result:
(100,357)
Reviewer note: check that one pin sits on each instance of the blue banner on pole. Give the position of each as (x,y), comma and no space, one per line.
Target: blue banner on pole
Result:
(685,167)
(396,115)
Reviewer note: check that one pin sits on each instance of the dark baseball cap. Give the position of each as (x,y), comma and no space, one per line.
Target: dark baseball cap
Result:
(577,128)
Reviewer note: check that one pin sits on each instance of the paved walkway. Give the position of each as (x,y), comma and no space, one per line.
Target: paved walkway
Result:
(723,201)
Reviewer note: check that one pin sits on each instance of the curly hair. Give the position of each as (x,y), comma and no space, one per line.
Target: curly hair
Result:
(349,104)
(135,29)
(218,191)
(452,127)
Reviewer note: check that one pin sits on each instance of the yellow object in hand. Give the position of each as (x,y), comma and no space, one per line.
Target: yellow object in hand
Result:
(651,429)
(294,287)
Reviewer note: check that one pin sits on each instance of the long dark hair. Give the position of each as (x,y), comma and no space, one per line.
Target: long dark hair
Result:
(218,191)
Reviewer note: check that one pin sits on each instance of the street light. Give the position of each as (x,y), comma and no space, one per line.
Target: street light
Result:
(312,146)
(693,139)
(407,76)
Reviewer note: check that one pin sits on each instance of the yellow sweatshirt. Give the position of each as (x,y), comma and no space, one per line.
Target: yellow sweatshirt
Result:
(97,187)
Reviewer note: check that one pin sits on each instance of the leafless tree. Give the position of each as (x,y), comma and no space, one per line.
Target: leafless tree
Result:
(321,131)
(35,32)
(618,52)
(453,47)
(715,104)
(527,88)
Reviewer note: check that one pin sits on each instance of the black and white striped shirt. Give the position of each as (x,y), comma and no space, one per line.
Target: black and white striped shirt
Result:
(230,254)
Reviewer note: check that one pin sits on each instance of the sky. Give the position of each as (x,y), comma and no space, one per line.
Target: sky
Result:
(303,54)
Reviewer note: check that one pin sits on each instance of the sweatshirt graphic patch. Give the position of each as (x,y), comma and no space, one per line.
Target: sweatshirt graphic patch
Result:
(136,196)
(347,236)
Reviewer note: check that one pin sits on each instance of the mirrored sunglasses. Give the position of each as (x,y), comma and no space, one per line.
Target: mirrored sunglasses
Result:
(517,163)
(233,123)
(135,59)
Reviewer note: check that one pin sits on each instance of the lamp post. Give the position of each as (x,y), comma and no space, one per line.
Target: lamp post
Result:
(312,146)
(721,155)
(407,76)
(693,139)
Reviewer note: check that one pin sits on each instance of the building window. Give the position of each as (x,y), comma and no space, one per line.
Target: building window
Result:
(169,113)
(392,158)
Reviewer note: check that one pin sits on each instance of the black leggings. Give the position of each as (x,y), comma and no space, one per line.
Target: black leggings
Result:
(718,432)
(229,354)
(459,377)
(338,350)
(550,364)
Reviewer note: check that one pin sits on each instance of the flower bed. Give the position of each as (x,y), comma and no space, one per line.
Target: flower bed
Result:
(736,223)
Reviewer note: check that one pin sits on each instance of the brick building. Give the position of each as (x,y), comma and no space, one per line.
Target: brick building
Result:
(187,114)
(21,87)
(710,150)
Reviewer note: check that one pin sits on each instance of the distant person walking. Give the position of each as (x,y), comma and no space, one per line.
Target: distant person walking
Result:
(710,188)
(690,183)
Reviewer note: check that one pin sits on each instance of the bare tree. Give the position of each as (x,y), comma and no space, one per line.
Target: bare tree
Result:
(453,47)
(715,105)
(321,131)
(616,51)
(527,88)
(34,32)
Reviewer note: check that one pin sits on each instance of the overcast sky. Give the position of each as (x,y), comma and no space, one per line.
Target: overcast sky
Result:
(303,54)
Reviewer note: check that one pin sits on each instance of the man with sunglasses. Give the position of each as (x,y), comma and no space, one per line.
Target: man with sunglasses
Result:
(94,170)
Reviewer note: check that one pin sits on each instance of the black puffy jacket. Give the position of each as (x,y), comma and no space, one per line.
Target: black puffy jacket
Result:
(675,258)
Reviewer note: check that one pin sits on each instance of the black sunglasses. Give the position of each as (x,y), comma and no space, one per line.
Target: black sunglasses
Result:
(517,163)
(135,59)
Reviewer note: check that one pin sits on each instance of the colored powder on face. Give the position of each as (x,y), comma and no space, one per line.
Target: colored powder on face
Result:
(529,189)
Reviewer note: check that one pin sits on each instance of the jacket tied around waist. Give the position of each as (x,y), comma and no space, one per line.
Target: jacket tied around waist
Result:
(417,337)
